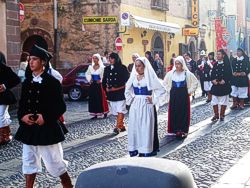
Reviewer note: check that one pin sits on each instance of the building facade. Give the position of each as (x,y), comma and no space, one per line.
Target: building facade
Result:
(10,32)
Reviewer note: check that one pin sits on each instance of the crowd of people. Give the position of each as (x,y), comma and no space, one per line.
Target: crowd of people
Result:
(139,90)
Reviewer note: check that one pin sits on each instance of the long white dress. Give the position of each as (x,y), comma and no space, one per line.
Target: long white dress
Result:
(141,118)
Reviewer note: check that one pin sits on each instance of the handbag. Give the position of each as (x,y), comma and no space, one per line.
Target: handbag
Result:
(7,97)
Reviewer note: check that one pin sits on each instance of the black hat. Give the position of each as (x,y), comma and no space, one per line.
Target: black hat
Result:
(41,53)
(211,53)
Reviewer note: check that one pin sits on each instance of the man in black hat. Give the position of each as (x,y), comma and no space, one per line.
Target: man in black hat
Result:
(114,79)
(241,69)
(40,107)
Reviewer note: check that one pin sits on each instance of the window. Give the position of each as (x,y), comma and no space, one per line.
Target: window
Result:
(160,4)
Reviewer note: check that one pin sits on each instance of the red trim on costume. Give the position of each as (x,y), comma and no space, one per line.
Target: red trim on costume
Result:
(169,127)
(104,101)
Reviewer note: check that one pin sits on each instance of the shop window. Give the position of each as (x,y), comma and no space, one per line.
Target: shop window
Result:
(160,4)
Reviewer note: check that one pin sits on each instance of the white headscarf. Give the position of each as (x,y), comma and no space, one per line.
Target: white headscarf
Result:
(151,78)
(181,60)
(99,60)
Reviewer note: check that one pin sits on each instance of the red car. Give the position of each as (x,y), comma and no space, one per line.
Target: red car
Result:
(75,83)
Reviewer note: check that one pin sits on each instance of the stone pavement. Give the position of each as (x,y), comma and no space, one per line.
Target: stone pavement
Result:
(210,149)
(238,176)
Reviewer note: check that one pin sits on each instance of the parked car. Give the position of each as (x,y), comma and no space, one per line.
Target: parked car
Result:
(75,83)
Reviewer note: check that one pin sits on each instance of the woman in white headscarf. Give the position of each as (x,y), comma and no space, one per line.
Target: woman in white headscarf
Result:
(143,92)
(180,83)
(98,104)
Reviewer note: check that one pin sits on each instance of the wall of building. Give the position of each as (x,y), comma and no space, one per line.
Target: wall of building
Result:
(136,33)
(3,43)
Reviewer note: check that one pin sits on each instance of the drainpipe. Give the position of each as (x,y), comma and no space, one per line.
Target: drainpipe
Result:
(55,34)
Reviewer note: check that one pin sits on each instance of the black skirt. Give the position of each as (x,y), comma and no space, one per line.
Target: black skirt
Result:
(97,100)
(179,110)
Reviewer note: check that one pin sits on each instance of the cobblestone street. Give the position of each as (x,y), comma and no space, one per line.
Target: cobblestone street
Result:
(210,150)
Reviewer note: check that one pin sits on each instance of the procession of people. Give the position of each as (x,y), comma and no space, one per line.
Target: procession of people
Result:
(138,90)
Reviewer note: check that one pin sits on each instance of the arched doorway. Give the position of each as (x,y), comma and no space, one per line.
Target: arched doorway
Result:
(32,40)
(203,46)
(157,45)
(36,36)
(191,49)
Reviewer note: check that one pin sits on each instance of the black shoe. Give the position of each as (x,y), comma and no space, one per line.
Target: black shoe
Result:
(123,129)
(222,118)
(116,130)
(208,101)
(215,118)
(105,116)
(233,107)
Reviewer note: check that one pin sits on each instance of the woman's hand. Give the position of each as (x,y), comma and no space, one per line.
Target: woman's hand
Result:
(149,100)
(214,82)
(27,119)
(40,120)
(222,82)
(242,74)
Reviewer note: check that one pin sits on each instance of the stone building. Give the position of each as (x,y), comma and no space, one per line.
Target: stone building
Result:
(155,25)
(10,32)
(75,42)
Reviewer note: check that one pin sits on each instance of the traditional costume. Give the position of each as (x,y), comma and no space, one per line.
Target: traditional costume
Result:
(8,80)
(239,82)
(114,80)
(180,86)
(142,126)
(220,92)
(42,94)
(206,68)
(98,104)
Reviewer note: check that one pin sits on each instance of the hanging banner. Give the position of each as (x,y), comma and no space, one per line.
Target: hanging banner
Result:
(220,32)
(231,21)
(195,13)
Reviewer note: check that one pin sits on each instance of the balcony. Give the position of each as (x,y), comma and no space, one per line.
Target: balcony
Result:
(160,5)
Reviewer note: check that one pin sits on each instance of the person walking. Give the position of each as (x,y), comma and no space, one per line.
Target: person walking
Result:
(200,73)
(143,92)
(98,104)
(40,107)
(8,80)
(131,65)
(180,83)
(239,82)
(114,79)
(158,66)
(221,88)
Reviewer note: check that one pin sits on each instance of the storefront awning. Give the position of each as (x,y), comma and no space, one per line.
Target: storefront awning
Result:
(156,25)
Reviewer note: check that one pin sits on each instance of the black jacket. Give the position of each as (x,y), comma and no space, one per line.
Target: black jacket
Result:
(221,72)
(41,98)
(116,77)
(10,80)
(207,72)
(240,66)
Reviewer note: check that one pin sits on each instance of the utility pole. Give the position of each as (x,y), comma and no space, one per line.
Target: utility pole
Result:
(55,34)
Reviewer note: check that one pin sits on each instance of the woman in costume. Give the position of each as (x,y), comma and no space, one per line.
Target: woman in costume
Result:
(180,83)
(240,68)
(221,88)
(143,92)
(98,104)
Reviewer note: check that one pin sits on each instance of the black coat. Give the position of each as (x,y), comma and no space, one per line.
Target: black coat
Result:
(207,72)
(46,99)
(240,66)
(116,77)
(10,80)
(193,66)
(221,72)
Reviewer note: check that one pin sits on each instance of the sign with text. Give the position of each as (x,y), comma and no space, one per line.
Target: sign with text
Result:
(125,19)
(100,20)
(190,31)
(195,13)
